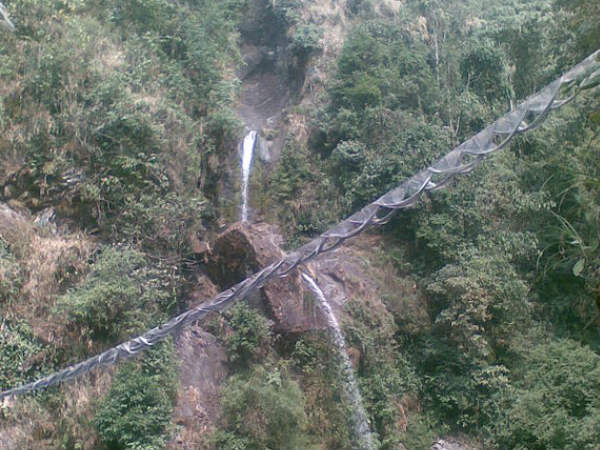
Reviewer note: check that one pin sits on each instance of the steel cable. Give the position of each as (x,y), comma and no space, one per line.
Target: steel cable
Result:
(463,159)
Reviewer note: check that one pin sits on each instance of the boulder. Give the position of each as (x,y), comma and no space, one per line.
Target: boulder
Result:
(352,271)
(243,249)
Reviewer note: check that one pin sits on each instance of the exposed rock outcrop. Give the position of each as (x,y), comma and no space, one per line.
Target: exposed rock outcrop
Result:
(203,370)
(354,271)
(349,272)
(265,73)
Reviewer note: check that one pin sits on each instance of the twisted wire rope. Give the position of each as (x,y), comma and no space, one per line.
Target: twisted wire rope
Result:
(463,159)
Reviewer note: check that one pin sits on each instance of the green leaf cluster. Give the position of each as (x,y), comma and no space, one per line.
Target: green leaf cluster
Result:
(10,274)
(136,412)
(556,400)
(250,336)
(122,294)
(262,408)
(19,350)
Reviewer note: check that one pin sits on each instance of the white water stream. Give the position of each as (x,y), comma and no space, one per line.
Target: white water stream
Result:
(247,153)
(361,424)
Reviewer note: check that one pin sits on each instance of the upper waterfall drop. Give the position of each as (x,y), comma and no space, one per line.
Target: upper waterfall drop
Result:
(247,154)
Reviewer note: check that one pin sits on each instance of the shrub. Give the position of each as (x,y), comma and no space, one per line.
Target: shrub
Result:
(306,40)
(18,348)
(348,155)
(120,295)
(137,410)
(484,69)
(10,274)
(249,337)
(329,416)
(557,400)
(263,409)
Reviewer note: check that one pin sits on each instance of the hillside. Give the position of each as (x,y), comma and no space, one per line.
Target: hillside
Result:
(469,321)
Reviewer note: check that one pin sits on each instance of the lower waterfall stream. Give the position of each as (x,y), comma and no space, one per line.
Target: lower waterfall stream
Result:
(360,422)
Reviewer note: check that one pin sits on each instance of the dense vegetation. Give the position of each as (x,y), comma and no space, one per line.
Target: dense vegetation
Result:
(115,115)
(507,257)
(120,115)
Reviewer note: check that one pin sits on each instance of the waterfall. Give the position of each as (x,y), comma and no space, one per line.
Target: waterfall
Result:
(361,425)
(247,153)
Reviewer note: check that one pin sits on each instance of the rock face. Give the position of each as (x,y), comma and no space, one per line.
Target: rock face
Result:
(203,370)
(353,271)
(341,276)
(243,249)
(201,289)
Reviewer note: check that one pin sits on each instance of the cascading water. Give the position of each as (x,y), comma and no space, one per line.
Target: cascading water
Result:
(360,417)
(247,153)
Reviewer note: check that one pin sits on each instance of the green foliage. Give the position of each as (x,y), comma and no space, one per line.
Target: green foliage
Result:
(364,172)
(115,125)
(18,351)
(137,410)
(10,274)
(484,70)
(360,7)
(288,11)
(477,302)
(145,16)
(262,409)
(348,156)
(421,431)
(361,93)
(117,113)
(329,415)
(385,376)
(581,21)
(299,176)
(250,336)
(121,294)
(384,380)
(556,403)
(306,39)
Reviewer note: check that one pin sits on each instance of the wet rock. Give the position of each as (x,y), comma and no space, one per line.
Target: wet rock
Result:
(263,149)
(243,249)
